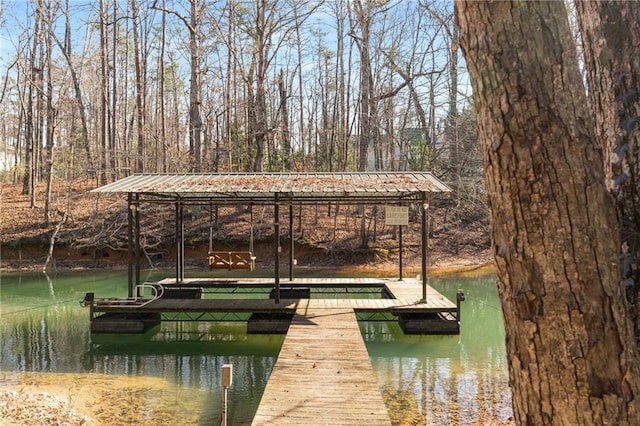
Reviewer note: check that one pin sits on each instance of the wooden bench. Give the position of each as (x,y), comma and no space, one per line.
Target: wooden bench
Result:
(232,260)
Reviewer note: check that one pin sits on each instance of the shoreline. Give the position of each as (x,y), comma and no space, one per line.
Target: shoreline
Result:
(385,270)
(373,261)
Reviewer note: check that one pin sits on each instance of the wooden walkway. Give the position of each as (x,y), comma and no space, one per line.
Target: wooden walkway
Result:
(323,375)
(410,292)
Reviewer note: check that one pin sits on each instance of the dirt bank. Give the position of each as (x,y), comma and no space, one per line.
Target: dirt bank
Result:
(90,232)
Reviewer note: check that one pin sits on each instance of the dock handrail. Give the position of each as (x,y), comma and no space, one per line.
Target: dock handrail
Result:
(138,301)
(156,289)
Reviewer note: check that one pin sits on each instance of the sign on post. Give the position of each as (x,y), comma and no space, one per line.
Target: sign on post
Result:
(227,375)
(396,215)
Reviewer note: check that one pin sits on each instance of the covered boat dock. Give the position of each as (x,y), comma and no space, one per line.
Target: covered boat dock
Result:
(280,190)
(418,307)
(323,373)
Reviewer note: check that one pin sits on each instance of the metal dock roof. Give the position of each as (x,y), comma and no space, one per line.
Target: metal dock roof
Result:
(286,187)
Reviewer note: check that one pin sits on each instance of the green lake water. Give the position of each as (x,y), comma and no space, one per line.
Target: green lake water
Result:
(172,374)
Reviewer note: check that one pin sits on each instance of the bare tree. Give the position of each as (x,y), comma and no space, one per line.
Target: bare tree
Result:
(115,160)
(33,77)
(283,111)
(49,11)
(363,17)
(162,146)
(140,89)
(104,103)
(265,27)
(192,23)
(65,49)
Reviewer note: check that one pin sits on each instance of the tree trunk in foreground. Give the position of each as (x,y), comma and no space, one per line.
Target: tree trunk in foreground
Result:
(611,39)
(572,354)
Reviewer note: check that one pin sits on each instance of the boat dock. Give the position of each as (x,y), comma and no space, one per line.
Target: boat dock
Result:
(323,374)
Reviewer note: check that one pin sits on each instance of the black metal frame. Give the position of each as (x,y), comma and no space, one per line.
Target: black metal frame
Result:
(276,199)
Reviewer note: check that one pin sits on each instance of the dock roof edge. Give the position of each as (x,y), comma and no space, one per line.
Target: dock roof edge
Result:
(314,187)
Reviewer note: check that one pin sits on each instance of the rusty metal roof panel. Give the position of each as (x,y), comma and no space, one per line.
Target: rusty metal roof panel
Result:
(293,186)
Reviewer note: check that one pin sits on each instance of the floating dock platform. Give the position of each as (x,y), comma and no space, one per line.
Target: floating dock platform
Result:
(195,300)
(323,374)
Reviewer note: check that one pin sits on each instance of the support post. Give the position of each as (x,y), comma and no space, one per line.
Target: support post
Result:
(400,253)
(211,226)
(137,243)
(179,243)
(130,245)
(291,241)
(227,379)
(276,238)
(251,228)
(424,244)
(459,299)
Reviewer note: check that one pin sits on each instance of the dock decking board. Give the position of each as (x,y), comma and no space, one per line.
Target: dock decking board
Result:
(269,282)
(323,374)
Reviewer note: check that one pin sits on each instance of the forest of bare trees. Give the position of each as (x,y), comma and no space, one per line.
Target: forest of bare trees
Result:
(100,89)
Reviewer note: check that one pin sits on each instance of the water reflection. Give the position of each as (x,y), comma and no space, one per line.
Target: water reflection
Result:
(171,375)
(188,358)
(446,379)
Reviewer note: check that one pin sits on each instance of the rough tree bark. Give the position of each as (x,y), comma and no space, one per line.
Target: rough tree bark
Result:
(611,43)
(572,354)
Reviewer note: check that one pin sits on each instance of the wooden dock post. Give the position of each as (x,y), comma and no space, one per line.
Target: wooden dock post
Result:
(459,299)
